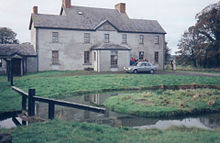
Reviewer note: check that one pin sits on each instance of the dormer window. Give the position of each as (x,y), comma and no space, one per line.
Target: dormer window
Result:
(80,12)
(106,38)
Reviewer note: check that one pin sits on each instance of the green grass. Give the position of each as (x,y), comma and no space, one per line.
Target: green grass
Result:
(59,85)
(69,132)
(167,103)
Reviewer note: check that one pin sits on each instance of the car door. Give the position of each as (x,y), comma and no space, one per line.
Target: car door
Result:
(148,67)
(141,68)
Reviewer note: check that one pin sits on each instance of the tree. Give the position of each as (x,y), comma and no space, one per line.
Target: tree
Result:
(7,36)
(200,44)
(167,54)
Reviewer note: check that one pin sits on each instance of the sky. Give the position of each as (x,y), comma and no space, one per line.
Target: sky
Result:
(175,16)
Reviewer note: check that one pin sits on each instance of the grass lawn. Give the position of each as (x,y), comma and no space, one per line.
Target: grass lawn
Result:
(59,85)
(69,132)
(194,69)
(166,103)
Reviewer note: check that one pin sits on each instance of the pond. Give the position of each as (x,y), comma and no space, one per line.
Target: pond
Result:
(208,121)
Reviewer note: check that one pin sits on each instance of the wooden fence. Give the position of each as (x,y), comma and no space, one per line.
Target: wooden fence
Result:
(30,96)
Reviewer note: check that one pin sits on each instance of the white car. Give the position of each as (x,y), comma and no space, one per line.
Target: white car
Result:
(141,67)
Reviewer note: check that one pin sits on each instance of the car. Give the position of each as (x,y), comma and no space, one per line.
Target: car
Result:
(141,67)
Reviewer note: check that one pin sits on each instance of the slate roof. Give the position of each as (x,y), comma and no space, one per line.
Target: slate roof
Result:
(87,18)
(109,47)
(20,49)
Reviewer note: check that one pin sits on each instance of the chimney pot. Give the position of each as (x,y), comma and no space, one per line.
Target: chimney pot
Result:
(121,7)
(35,10)
(66,3)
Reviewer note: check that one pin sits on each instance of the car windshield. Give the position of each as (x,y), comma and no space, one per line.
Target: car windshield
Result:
(139,64)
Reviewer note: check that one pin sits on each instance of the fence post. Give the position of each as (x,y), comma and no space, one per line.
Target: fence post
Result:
(24,102)
(11,72)
(31,102)
(51,110)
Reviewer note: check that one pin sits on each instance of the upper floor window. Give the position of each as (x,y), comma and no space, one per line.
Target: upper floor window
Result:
(86,57)
(55,37)
(156,57)
(124,38)
(114,58)
(0,62)
(106,38)
(55,57)
(141,39)
(156,39)
(86,37)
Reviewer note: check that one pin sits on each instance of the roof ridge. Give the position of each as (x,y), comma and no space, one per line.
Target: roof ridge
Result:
(72,6)
(142,19)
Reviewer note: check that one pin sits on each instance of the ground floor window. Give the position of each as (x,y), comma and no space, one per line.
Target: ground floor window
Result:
(55,57)
(86,57)
(0,62)
(141,55)
(114,58)
(156,57)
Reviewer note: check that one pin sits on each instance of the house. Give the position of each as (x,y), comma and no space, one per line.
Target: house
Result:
(22,58)
(96,38)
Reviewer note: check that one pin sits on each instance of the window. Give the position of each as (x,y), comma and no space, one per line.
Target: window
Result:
(55,57)
(86,57)
(86,37)
(0,62)
(55,37)
(156,39)
(124,38)
(94,56)
(141,39)
(114,58)
(156,57)
(106,38)
(141,55)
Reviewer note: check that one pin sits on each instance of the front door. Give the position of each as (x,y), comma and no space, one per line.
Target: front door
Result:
(16,67)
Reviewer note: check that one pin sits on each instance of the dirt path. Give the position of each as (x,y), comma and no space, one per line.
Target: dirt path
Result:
(189,73)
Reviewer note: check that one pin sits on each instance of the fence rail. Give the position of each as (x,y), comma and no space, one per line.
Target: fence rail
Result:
(51,103)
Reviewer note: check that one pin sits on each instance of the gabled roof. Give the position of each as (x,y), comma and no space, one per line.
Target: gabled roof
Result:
(17,49)
(87,18)
(109,47)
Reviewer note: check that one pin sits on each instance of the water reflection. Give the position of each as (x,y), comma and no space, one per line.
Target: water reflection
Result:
(210,121)
(114,119)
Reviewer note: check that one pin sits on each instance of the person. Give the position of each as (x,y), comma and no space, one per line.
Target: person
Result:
(171,64)
(132,61)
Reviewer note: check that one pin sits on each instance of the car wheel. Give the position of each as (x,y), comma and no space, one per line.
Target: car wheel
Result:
(151,71)
(135,71)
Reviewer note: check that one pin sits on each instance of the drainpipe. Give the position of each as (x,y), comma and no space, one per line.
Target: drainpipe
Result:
(98,63)
(37,50)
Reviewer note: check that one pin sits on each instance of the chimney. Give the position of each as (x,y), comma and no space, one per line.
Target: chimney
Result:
(121,7)
(67,3)
(35,10)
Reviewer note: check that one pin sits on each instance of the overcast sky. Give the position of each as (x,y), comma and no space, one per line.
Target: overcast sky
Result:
(175,16)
